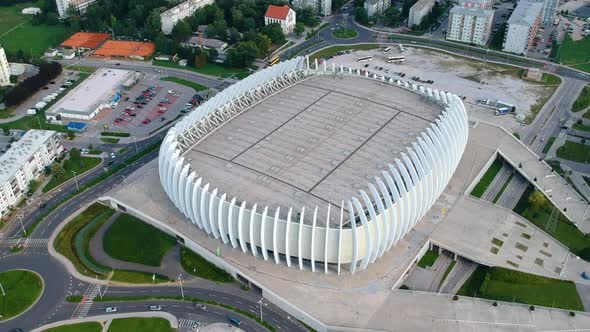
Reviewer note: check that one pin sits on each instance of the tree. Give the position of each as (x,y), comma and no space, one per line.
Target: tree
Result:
(233,36)
(71,134)
(263,44)
(275,33)
(306,15)
(57,170)
(181,31)
(153,23)
(299,28)
(242,55)
(75,154)
(200,59)
(537,200)
(361,16)
(217,29)
(52,19)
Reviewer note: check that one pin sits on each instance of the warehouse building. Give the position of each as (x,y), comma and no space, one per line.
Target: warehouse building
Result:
(24,162)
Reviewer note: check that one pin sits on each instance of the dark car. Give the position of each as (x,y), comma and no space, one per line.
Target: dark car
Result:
(139,106)
(132,114)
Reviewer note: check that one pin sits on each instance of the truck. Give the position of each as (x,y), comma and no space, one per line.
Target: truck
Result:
(502,111)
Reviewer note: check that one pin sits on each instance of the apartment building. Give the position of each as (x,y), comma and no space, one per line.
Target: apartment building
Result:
(170,17)
(79,5)
(322,7)
(470,25)
(480,4)
(549,10)
(4,69)
(23,162)
(522,27)
(376,7)
(418,11)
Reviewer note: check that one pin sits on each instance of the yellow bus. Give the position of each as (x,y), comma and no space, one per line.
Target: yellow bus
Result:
(274,61)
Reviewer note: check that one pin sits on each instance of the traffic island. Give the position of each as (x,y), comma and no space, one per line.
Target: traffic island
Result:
(19,291)
(344,33)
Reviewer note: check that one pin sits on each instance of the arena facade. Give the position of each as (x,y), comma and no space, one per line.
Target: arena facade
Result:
(326,168)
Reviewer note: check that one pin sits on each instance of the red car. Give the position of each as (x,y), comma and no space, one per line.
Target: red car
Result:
(146,121)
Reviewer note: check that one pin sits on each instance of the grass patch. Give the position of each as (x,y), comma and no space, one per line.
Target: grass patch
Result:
(82,69)
(153,324)
(497,242)
(562,230)
(18,33)
(208,69)
(428,259)
(190,84)
(80,327)
(138,277)
(110,140)
(502,284)
(65,242)
(200,267)
(16,248)
(485,181)
(574,52)
(335,49)
(548,145)
(550,79)
(499,194)
(22,289)
(95,152)
(114,133)
(574,151)
(581,126)
(586,115)
(343,33)
(131,240)
(79,166)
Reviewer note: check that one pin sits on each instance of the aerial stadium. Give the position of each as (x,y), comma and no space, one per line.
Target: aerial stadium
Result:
(314,167)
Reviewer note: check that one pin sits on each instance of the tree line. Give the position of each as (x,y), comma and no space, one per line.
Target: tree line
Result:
(28,87)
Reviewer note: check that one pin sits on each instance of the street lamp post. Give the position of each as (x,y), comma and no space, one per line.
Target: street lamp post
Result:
(2,288)
(181,290)
(76,180)
(20,218)
(260,303)
(135,142)
(98,286)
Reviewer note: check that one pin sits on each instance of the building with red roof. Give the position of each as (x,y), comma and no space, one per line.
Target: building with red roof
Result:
(283,15)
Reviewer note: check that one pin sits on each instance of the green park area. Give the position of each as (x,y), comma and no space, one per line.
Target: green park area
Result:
(21,290)
(581,126)
(485,181)
(586,115)
(428,259)
(574,53)
(574,151)
(131,240)
(335,49)
(507,285)
(140,324)
(200,267)
(110,140)
(536,208)
(343,33)
(17,32)
(583,100)
(190,84)
(549,143)
(207,69)
(81,327)
(74,165)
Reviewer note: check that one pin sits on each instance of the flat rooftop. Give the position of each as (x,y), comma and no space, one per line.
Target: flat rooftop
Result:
(315,143)
(95,90)
(21,151)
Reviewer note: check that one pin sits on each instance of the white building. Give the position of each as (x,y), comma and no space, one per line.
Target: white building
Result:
(522,27)
(376,7)
(283,15)
(481,4)
(24,162)
(4,69)
(79,5)
(418,11)
(210,43)
(322,7)
(99,91)
(31,11)
(470,25)
(183,10)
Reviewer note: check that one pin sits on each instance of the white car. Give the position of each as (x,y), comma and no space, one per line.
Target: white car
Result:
(111,309)
(113,155)
(200,306)
(155,308)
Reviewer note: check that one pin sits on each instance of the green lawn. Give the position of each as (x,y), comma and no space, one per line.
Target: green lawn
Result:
(18,33)
(335,49)
(344,33)
(110,140)
(200,267)
(208,69)
(486,179)
(581,126)
(140,324)
(79,166)
(508,285)
(548,145)
(586,115)
(130,239)
(574,53)
(428,259)
(95,152)
(583,100)
(65,242)
(22,289)
(83,69)
(137,277)
(574,151)
(194,85)
(81,327)
(563,230)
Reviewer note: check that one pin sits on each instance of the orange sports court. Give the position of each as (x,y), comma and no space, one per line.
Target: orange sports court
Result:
(90,40)
(125,49)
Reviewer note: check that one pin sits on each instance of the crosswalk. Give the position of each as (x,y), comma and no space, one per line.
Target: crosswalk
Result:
(186,323)
(25,242)
(88,299)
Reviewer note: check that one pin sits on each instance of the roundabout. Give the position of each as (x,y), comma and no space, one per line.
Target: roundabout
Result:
(19,291)
(344,33)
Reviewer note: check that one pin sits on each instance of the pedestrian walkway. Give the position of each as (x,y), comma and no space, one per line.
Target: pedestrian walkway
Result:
(31,243)
(186,323)
(87,300)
